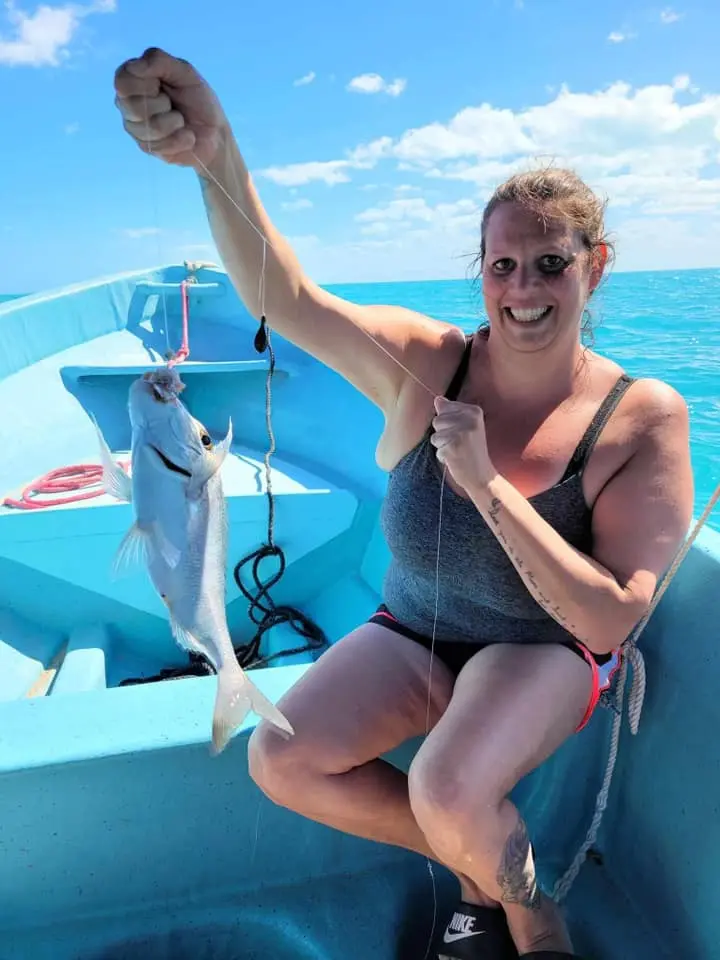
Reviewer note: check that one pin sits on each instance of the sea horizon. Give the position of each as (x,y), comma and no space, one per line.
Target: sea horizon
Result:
(654,323)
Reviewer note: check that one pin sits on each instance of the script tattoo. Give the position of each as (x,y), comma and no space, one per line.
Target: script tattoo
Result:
(553,609)
(516,876)
(545,602)
(494,515)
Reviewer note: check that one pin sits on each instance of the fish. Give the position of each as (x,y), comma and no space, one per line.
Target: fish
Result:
(180,535)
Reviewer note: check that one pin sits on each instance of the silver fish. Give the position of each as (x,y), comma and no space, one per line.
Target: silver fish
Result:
(180,534)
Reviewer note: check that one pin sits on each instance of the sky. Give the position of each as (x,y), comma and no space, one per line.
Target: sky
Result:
(374,131)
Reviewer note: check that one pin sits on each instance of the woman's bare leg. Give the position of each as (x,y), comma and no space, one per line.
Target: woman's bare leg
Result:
(365,696)
(512,707)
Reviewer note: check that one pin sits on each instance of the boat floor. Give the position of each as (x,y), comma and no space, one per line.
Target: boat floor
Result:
(386,911)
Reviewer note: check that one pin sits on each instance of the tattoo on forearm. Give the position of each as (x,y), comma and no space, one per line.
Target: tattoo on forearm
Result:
(516,875)
(494,514)
(553,609)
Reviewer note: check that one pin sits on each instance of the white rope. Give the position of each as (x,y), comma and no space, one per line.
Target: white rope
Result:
(632,656)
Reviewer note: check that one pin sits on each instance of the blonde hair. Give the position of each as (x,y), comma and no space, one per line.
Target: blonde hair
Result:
(560,195)
(554,194)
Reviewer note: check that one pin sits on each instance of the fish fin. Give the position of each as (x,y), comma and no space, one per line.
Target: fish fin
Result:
(138,544)
(167,550)
(223,448)
(133,550)
(182,636)
(236,696)
(212,464)
(115,481)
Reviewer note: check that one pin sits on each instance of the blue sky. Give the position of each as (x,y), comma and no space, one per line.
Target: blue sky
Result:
(375,131)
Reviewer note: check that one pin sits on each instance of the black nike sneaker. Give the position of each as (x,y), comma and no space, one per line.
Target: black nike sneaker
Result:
(475,933)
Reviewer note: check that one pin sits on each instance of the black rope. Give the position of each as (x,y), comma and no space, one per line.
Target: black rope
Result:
(266,615)
(263,611)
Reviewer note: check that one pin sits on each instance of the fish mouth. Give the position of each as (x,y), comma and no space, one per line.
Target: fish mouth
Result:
(170,465)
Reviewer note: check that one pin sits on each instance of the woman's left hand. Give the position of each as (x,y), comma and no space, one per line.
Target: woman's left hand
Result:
(461,442)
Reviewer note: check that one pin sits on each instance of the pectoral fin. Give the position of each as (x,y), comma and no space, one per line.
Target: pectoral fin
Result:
(115,481)
(140,544)
(183,638)
(211,465)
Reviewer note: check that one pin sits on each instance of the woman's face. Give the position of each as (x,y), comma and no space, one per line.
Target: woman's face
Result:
(537,278)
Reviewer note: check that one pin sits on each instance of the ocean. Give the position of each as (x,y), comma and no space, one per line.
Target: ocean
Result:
(656,324)
(662,324)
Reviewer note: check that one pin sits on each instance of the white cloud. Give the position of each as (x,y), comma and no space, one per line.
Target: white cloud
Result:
(301,204)
(374,83)
(137,233)
(42,38)
(478,131)
(670,243)
(304,81)
(296,174)
(408,213)
(668,16)
(417,253)
(665,129)
(617,37)
(653,151)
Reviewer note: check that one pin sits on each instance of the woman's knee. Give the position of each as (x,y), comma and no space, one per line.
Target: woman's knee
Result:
(450,801)
(278,765)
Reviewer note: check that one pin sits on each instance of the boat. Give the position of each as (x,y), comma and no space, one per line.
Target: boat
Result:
(121,835)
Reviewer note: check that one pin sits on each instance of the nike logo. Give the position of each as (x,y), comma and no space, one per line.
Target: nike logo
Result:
(452,937)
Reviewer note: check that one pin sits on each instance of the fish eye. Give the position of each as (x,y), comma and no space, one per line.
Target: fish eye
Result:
(206,440)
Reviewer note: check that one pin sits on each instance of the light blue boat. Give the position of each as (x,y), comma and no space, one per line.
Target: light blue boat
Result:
(120,835)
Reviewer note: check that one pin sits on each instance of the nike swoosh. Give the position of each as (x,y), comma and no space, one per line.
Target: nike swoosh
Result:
(452,937)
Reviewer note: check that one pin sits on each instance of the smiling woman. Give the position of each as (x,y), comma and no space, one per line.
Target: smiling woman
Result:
(535,495)
(568,211)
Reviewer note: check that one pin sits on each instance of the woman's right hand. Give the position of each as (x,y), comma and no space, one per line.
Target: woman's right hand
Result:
(169,110)
(371,346)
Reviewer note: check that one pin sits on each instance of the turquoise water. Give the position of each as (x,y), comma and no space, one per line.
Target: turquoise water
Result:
(660,324)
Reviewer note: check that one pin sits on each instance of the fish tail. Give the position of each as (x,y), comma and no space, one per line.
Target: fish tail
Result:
(236,696)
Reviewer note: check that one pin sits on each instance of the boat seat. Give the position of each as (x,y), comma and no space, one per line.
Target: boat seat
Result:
(84,666)
(326,511)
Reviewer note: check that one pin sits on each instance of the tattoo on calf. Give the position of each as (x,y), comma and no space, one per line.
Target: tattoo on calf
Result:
(516,875)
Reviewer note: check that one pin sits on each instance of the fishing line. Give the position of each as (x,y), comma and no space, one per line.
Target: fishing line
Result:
(156,215)
(264,325)
(261,297)
(263,338)
(267,243)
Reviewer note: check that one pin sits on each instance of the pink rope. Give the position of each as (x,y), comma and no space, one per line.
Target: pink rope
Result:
(61,480)
(80,476)
(184,351)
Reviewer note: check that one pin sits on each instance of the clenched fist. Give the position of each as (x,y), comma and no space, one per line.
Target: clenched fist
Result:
(169,110)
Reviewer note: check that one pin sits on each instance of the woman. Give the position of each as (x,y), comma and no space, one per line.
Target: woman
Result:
(566,489)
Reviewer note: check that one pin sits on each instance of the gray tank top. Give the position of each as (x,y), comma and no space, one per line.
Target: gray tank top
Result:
(482,597)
